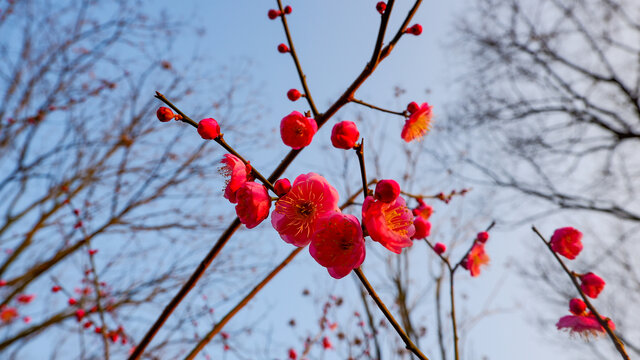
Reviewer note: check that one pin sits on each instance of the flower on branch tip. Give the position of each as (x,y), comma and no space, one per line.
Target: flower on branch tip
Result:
(26,298)
(297,130)
(288,9)
(418,124)
(476,258)
(567,242)
(283,48)
(381,7)
(439,248)
(423,210)
(253,205)
(164,114)
(423,228)
(293,94)
(282,186)
(8,314)
(208,129)
(293,355)
(390,224)
(237,174)
(344,135)
(482,237)
(416,29)
(387,191)
(585,325)
(296,214)
(591,284)
(337,244)
(56,288)
(326,343)
(273,14)
(577,306)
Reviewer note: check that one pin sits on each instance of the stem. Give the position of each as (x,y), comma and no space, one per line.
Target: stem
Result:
(439,316)
(220,140)
(453,317)
(403,114)
(616,341)
(407,341)
(294,55)
(359,148)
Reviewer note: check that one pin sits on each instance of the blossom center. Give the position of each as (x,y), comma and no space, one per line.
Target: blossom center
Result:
(306,209)
(395,221)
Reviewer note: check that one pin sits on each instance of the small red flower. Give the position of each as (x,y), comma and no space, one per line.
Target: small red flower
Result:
(224,335)
(3,283)
(208,129)
(56,288)
(387,191)
(482,237)
(567,242)
(344,135)
(283,48)
(273,14)
(253,204)
(326,343)
(293,94)
(381,7)
(288,9)
(390,224)
(577,306)
(72,301)
(591,284)
(584,325)
(338,244)
(8,314)
(26,319)
(297,130)
(296,214)
(439,248)
(423,228)
(237,174)
(80,313)
(282,186)
(476,258)
(423,210)
(293,355)
(418,124)
(25,299)
(93,251)
(164,114)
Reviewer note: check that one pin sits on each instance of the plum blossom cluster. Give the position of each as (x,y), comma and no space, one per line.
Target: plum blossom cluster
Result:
(567,242)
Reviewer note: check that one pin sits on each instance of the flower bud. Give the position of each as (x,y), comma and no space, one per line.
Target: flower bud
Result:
(282,186)
(381,7)
(344,135)
(439,248)
(413,107)
(591,285)
(293,94)
(387,191)
(208,129)
(577,306)
(288,9)
(273,14)
(282,48)
(164,114)
(423,228)
(482,237)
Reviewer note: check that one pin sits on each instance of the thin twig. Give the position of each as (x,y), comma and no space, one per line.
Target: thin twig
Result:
(407,341)
(605,324)
(403,114)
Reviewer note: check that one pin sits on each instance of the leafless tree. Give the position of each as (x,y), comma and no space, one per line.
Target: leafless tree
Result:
(551,100)
(93,190)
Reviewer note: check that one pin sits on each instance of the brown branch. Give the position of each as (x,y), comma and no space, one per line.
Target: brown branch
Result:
(403,114)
